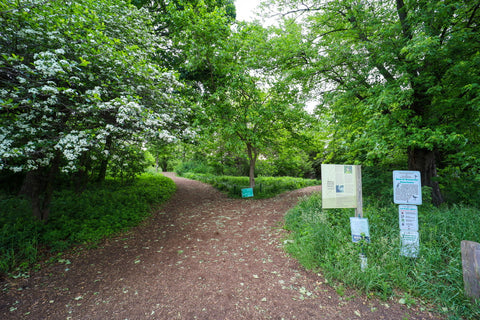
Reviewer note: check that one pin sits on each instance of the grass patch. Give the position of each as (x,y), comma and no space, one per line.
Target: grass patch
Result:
(321,240)
(266,187)
(98,212)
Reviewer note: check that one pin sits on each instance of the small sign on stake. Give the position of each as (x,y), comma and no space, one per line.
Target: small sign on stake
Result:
(247,192)
(410,243)
(360,229)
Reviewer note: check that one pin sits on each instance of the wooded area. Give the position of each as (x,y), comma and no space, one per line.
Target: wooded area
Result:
(88,88)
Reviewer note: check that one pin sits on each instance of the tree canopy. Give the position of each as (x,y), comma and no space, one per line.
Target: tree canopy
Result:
(79,89)
(394,77)
(86,87)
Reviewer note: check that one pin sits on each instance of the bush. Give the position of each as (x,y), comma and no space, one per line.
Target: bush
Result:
(320,239)
(98,212)
(265,187)
(193,166)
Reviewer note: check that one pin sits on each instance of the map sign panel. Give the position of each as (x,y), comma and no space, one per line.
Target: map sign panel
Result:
(339,186)
(407,187)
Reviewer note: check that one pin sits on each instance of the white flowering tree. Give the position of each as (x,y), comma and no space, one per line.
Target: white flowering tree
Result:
(78,90)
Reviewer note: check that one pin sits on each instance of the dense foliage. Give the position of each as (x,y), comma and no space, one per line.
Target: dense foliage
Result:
(266,187)
(394,80)
(86,87)
(321,239)
(85,218)
(80,92)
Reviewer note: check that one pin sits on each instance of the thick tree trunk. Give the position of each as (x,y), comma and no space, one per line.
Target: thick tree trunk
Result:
(38,188)
(424,160)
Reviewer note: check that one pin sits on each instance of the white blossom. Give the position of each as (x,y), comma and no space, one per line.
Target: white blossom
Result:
(60,95)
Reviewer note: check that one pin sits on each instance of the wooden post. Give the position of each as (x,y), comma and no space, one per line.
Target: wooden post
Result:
(359,208)
(471,268)
(359,211)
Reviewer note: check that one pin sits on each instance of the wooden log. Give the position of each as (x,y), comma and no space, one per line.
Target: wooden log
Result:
(471,268)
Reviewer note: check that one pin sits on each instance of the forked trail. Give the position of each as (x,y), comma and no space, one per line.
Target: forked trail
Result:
(201,256)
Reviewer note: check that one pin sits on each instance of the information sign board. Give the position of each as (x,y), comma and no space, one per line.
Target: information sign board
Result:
(410,243)
(408,217)
(247,192)
(360,229)
(407,187)
(339,186)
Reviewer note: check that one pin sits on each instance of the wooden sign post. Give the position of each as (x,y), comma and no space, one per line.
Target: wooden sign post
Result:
(471,268)
(359,208)
(342,188)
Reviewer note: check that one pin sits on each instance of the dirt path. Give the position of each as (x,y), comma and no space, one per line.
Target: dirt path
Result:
(202,256)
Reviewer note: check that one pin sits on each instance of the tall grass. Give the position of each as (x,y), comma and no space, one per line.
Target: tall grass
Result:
(265,187)
(322,240)
(98,212)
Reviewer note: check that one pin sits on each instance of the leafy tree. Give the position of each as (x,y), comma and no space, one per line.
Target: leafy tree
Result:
(78,90)
(246,106)
(215,58)
(395,77)
(185,23)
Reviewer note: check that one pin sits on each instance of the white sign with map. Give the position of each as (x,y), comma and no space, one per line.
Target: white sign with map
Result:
(339,186)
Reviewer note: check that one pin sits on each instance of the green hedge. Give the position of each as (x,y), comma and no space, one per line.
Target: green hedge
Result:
(265,187)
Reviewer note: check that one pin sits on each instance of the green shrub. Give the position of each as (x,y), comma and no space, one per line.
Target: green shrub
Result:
(98,212)
(193,166)
(265,187)
(320,239)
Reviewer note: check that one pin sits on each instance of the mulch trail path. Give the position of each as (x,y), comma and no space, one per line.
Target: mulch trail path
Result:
(200,256)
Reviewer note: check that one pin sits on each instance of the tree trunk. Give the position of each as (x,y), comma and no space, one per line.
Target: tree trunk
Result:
(81,177)
(424,160)
(102,173)
(164,164)
(38,188)
(252,157)
(252,173)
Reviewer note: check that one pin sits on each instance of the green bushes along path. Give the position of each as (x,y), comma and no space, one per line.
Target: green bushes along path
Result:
(98,212)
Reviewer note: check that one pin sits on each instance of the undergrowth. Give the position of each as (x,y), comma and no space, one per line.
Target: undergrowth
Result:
(85,218)
(320,239)
(265,187)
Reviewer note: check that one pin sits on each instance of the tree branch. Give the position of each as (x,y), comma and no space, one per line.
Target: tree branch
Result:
(402,14)
(472,16)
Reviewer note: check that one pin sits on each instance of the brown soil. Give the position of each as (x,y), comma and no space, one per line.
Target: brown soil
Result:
(201,256)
